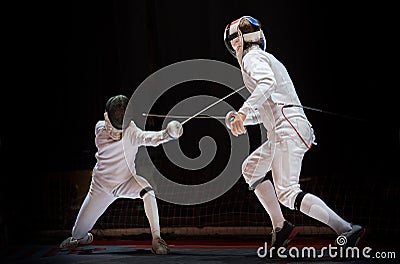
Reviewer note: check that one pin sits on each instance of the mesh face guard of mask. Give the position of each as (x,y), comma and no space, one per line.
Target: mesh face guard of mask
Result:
(231,32)
(114,114)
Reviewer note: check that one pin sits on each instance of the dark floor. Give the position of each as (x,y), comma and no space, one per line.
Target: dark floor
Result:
(194,251)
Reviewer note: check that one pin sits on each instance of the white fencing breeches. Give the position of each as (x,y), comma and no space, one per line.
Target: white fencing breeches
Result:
(99,199)
(284,157)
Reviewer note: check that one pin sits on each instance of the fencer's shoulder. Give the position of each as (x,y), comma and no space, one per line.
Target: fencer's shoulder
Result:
(132,132)
(132,127)
(255,57)
(100,123)
(100,126)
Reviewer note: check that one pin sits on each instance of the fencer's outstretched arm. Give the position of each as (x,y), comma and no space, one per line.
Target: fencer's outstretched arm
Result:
(148,138)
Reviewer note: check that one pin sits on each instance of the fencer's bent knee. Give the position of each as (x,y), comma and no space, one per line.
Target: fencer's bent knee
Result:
(248,174)
(144,191)
(288,197)
(299,199)
(245,172)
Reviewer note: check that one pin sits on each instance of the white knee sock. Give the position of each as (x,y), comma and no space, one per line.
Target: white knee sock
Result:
(314,207)
(265,193)
(151,209)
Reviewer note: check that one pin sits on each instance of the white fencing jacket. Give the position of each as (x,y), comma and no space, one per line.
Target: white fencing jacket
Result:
(271,87)
(116,159)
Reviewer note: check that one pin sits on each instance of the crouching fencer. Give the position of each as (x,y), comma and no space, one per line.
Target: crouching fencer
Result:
(114,175)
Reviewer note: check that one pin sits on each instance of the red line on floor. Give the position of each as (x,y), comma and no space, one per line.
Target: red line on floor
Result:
(209,243)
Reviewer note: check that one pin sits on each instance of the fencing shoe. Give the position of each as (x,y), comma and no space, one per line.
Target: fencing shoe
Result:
(68,244)
(352,237)
(71,243)
(281,237)
(159,246)
(86,241)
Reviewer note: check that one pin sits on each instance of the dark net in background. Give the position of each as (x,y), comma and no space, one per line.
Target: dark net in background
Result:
(238,207)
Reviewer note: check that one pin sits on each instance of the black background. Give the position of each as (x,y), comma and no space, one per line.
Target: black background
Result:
(68,58)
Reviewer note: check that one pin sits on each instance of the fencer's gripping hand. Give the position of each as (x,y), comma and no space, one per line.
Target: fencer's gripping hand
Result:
(237,125)
(166,137)
(173,131)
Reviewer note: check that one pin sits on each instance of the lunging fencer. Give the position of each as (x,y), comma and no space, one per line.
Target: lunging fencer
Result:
(114,175)
(289,136)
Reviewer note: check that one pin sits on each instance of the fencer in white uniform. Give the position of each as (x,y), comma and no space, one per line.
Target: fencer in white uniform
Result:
(274,100)
(114,175)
